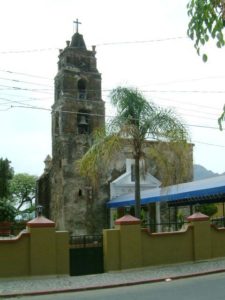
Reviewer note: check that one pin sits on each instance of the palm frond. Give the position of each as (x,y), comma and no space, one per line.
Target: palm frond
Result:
(173,161)
(164,124)
(95,163)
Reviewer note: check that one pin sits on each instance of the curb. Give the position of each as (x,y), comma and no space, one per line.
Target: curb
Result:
(116,285)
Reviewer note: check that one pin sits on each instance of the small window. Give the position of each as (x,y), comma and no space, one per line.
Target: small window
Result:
(81,89)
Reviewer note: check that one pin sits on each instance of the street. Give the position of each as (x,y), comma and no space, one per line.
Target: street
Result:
(205,287)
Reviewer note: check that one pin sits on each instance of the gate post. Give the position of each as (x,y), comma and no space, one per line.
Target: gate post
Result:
(129,241)
(49,252)
(202,236)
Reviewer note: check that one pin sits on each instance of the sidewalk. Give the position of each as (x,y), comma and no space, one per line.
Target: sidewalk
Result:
(52,284)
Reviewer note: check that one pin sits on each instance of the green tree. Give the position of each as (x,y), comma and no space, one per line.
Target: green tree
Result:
(6,174)
(7,210)
(23,191)
(137,120)
(207,20)
(208,209)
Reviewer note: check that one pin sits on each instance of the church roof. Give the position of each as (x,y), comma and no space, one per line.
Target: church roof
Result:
(206,191)
(78,41)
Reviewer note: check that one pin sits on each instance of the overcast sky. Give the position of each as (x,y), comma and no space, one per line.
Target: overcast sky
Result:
(142,44)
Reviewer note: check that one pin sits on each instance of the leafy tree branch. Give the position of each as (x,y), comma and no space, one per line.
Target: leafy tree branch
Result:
(207,20)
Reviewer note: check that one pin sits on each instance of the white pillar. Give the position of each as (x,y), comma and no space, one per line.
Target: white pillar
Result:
(158,217)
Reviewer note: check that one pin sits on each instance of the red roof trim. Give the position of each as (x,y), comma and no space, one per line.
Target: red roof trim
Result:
(127,220)
(40,222)
(198,217)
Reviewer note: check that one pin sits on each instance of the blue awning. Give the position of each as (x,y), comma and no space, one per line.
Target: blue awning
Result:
(205,188)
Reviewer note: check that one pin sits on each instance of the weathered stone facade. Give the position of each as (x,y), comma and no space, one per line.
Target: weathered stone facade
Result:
(78,110)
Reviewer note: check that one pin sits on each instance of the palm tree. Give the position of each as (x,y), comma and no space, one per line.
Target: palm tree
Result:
(137,120)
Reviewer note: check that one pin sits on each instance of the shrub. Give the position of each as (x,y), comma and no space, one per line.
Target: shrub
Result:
(7,211)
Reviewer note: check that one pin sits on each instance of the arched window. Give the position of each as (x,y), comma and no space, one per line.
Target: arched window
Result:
(81,89)
(83,122)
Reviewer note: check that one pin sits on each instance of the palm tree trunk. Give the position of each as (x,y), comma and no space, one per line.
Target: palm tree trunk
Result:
(137,189)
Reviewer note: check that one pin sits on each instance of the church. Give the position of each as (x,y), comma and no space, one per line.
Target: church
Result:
(78,110)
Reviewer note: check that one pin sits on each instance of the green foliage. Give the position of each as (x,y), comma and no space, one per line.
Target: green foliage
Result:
(180,219)
(208,209)
(172,160)
(206,20)
(6,173)
(7,210)
(23,190)
(17,192)
(95,162)
(137,120)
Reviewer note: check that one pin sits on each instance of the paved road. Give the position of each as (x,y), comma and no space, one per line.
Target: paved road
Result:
(205,287)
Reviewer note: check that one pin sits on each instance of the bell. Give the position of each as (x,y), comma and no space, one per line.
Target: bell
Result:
(82,121)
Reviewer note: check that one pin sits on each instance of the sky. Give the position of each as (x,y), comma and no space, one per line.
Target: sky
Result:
(141,44)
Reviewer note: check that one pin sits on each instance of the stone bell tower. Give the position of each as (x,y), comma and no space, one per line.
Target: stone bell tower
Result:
(77,111)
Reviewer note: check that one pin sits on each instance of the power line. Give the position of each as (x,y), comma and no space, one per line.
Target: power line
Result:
(25,74)
(6,87)
(175,107)
(144,91)
(187,80)
(203,126)
(28,98)
(186,91)
(27,51)
(27,82)
(199,112)
(98,45)
(186,103)
(97,101)
(157,83)
(98,115)
(13,101)
(209,144)
(142,42)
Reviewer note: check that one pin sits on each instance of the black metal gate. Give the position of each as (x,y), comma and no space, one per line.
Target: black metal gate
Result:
(86,255)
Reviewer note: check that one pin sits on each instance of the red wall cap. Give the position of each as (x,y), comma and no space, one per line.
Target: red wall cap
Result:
(198,217)
(127,220)
(40,222)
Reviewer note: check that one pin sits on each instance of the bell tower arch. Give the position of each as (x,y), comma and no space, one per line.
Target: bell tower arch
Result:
(77,111)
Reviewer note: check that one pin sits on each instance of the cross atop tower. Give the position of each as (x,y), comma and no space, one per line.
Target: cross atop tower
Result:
(77,24)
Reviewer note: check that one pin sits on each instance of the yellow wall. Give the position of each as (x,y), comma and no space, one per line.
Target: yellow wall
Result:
(42,251)
(218,242)
(62,252)
(167,248)
(111,245)
(38,251)
(129,246)
(14,256)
